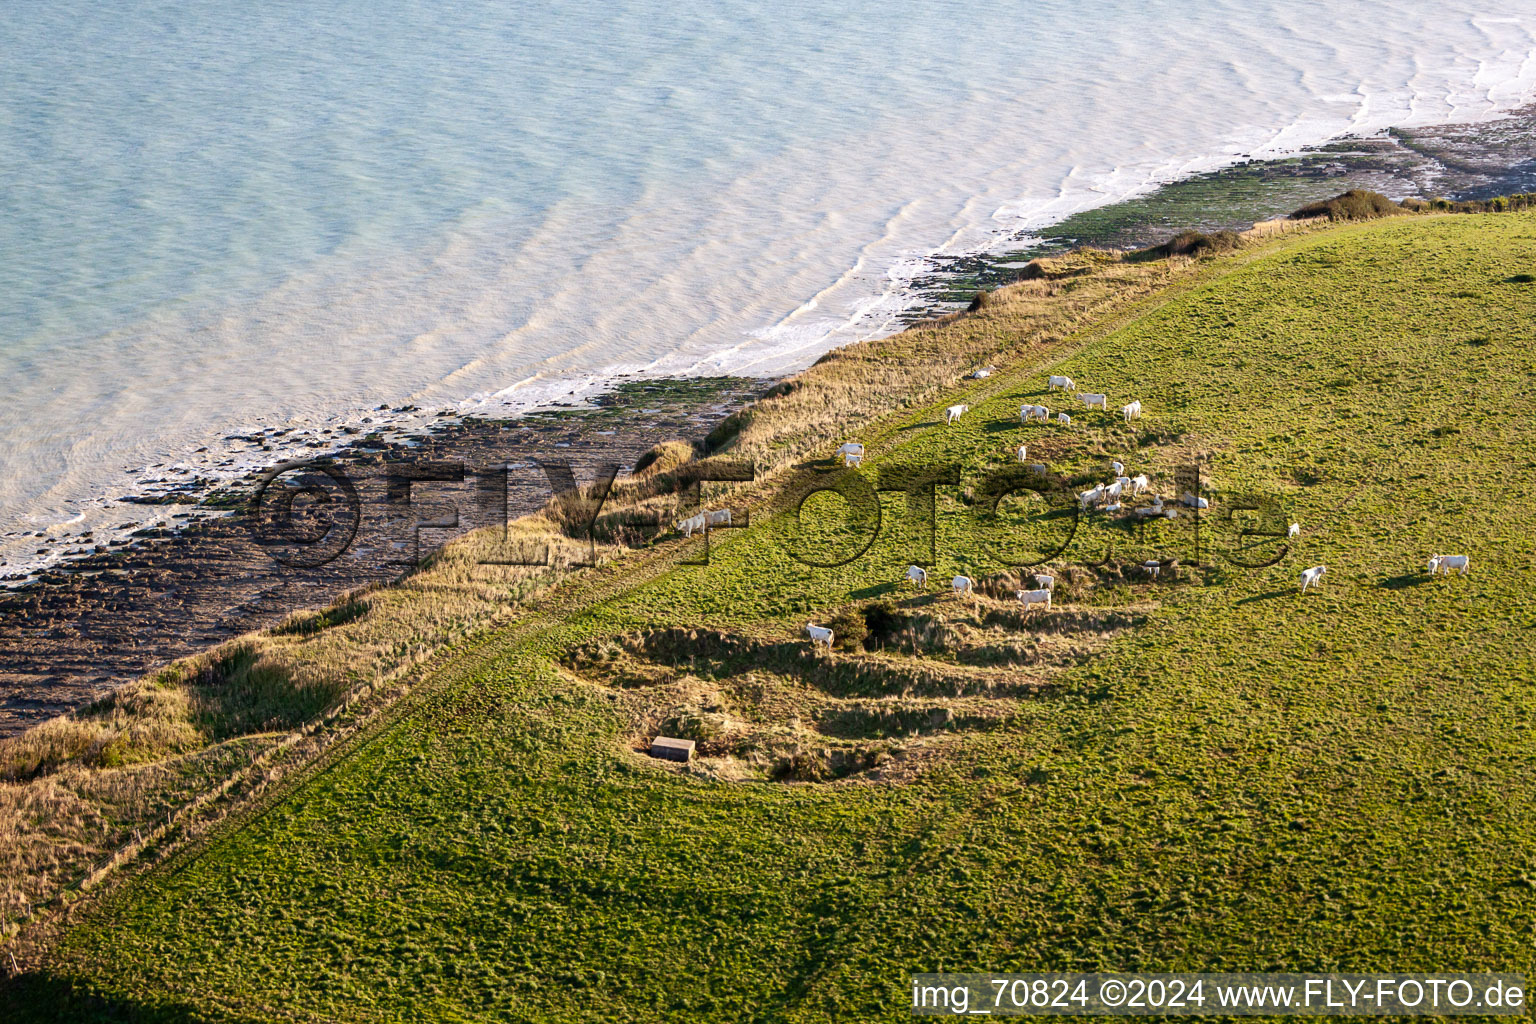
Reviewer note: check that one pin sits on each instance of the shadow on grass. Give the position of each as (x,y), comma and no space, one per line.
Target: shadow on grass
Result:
(923,425)
(874,591)
(1411,579)
(1288,591)
(44,997)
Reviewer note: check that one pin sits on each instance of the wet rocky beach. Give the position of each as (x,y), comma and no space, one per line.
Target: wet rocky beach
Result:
(223,564)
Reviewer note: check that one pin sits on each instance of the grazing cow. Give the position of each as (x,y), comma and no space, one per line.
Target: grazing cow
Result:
(1102,401)
(1154,567)
(1037,467)
(954,412)
(853,460)
(693,524)
(1193,502)
(1449,562)
(851,448)
(1294,531)
(1023,452)
(1139,483)
(1092,496)
(1132,411)
(819,635)
(1045,582)
(1117,468)
(1311,576)
(1034,412)
(918,575)
(720,516)
(963,585)
(1064,419)
(1030,598)
(1065,383)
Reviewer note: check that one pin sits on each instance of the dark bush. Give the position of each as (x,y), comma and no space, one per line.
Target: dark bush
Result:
(1356,204)
(1192,243)
(728,430)
(310,623)
(662,458)
(848,629)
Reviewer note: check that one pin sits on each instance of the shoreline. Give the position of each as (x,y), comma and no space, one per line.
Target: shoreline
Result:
(105,617)
(152,578)
(1464,160)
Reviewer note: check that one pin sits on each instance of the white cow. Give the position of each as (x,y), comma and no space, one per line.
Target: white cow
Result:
(853,460)
(1037,467)
(693,524)
(1117,468)
(1154,567)
(918,575)
(851,448)
(963,585)
(1193,502)
(1132,411)
(1045,582)
(1113,506)
(1139,483)
(1311,576)
(954,412)
(719,516)
(1064,419)
(1023,452)
(819,635)
(1449,562)
(1294,531)
(1102,401)
(1065,383)
(982,374)
(1030,598)
(1153,510)
(1034,412)
(1091,496)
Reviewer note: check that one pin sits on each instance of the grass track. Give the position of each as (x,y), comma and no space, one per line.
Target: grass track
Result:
(1250,781)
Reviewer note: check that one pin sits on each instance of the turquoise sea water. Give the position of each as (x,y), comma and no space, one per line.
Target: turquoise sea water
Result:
(219,215)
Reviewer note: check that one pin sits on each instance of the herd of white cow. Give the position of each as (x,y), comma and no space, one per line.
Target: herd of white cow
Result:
(1106,496)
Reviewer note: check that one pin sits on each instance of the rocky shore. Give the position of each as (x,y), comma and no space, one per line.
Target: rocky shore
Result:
(110,612)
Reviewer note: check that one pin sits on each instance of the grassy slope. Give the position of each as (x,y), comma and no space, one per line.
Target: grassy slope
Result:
(1252,780)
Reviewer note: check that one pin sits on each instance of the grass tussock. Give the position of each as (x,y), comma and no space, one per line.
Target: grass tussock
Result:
(1356,204)
(1192,244)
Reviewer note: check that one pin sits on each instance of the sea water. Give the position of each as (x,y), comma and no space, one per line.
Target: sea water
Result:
(218,217)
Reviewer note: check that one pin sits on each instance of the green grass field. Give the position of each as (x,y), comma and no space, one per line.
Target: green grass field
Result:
(1241,779)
